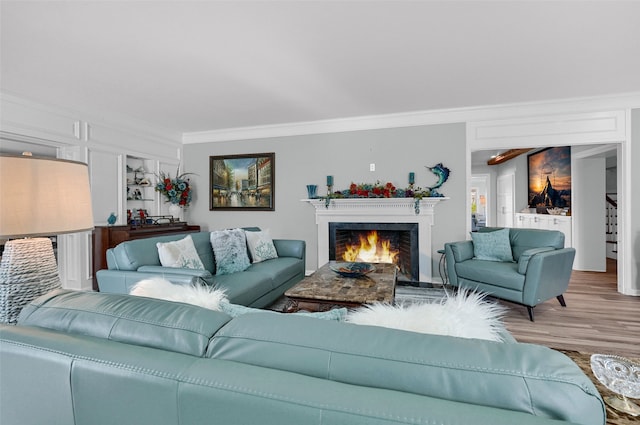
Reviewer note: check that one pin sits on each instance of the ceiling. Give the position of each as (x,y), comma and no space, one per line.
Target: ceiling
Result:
(188,66)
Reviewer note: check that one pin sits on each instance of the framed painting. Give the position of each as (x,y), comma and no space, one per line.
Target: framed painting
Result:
(242,182)
(549,173)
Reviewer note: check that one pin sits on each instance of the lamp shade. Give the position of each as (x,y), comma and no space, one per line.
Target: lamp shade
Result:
(43,196)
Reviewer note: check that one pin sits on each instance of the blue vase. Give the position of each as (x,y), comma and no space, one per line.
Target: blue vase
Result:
(312,191)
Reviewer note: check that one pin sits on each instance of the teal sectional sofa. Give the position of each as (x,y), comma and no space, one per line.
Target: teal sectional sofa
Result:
(90,358)
(538,267)
(257,286)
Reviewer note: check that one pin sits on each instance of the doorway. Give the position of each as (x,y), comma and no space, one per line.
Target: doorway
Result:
(505,189)
(480,207)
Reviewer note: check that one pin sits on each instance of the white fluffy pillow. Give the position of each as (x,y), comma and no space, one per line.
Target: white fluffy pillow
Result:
(200,295)
(261,246)
(180,254)
(465,315)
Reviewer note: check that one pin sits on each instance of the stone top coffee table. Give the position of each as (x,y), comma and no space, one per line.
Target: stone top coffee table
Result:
(326,289)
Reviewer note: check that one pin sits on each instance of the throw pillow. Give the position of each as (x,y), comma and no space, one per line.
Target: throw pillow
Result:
(492,246)
(180,254)
(230,251)
(200,295)
(261,246)
(235,310)
(465,315)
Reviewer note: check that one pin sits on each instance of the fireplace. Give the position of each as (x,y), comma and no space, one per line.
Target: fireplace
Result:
(395,243)
(381,210)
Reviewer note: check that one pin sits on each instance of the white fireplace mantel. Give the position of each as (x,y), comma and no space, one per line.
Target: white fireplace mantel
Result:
(378,210)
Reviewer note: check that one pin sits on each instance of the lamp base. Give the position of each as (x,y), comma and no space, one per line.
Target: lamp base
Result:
(28,270)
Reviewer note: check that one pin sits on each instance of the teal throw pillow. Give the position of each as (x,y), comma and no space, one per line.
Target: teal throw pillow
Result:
(492,246)
(229,251)
(235,310)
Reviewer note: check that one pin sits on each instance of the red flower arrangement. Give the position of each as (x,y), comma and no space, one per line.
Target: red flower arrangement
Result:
(372,191)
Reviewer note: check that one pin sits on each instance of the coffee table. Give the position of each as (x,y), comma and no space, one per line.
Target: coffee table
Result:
(326,289)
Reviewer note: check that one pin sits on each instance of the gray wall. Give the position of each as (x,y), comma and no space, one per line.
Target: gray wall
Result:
(634,222)
(302,160)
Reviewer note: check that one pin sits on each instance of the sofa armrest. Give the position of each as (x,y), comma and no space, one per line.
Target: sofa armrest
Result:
(203,274)
(523,262)
(548,275)
(290,248)
(456,252)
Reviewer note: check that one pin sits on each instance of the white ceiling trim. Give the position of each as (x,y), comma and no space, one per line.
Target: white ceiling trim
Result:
(410,119)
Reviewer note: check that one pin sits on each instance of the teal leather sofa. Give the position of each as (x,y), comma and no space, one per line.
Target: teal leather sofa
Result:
(258,286)
(90,358)
(540,270)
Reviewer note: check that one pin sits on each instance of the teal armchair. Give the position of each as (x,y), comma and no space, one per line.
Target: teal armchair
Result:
(540,267)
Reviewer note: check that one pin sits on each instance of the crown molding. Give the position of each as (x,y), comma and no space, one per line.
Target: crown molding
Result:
(122,123)
(419,118)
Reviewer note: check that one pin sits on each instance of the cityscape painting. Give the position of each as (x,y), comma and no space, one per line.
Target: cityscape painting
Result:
(242,182)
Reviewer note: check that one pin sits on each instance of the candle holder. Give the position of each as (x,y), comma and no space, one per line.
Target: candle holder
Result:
(327,200)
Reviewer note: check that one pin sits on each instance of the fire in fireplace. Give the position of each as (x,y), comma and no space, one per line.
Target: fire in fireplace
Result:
(377,243)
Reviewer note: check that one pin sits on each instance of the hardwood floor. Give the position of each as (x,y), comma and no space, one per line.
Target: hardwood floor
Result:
(597,318)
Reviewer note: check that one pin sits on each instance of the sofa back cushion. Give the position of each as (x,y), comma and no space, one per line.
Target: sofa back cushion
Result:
(131,255)
(520,377)
(129,319)
(524,239)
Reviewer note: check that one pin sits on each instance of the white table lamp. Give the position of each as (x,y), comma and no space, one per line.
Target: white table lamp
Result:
(38,197)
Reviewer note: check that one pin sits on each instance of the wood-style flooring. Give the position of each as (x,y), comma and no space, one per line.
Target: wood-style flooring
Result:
(597,318)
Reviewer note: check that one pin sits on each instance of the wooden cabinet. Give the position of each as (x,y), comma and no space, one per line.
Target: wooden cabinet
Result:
(547,222)
(105,237)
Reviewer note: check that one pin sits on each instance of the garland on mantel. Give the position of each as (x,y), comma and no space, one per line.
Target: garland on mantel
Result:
(389,190)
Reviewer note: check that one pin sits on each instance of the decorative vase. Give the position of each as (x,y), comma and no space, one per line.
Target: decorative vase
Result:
(312,191)
(175,210)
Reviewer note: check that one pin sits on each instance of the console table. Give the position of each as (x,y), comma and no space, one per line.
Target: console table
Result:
(105,237)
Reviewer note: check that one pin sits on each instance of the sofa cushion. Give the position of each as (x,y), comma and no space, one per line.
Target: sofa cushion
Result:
(133,254)
(492,246)
(230,251)
(516,377)
(279,270)
(181,253)
(132,320)
(261,246)
(501,274)
(245,287)
(524,239)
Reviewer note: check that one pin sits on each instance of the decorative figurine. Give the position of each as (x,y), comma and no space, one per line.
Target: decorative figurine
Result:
(443,175)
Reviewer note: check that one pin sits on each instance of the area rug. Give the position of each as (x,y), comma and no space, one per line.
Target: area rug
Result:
(613,416)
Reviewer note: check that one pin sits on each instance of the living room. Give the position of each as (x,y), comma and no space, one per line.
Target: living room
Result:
(346,92)
(346,148)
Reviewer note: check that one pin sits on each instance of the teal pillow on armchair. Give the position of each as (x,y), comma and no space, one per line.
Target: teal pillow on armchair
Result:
(492,246)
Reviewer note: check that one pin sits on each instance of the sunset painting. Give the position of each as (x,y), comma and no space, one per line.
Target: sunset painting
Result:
(550,178)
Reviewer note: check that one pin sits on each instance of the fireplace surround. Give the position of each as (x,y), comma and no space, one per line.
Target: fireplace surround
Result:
(379,210)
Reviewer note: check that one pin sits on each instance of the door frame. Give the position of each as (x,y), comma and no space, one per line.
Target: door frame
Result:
(542,128)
